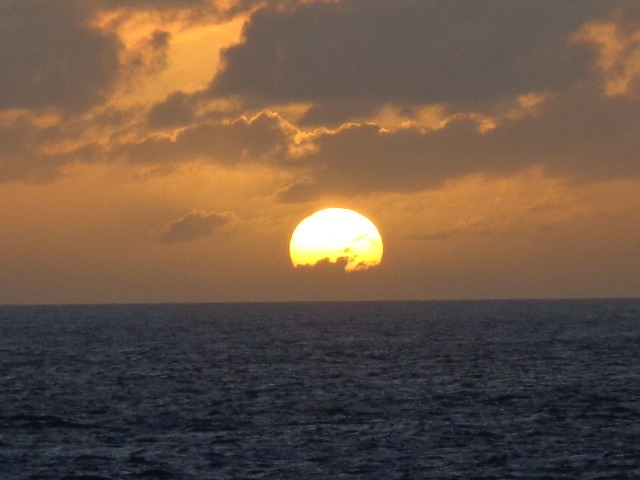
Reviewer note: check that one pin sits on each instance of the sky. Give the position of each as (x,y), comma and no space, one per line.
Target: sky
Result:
(165,150)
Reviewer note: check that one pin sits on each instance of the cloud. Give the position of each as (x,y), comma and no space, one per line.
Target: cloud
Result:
(20,156)
(222,9)
(176,110)
(50,58)
(148,56)
(31,152)
(365,54)
(326,267)
(583,135)
(194,225)
(349,59)
(618,43)
(155,4)
(65,54)
(35,148)
(259,138)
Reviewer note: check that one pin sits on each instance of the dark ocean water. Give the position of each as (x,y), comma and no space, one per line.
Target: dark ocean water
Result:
(438,390)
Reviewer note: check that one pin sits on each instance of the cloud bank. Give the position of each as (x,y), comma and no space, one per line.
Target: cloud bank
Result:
(340,64)
(366,54)
(51,58)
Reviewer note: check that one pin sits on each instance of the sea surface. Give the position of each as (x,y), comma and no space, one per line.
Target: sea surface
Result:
(361,390)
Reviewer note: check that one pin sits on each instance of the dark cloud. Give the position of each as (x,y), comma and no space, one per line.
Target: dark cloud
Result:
(364,159)
(194,225)
(348,58)
(325,267)
(33,153)
(177,109)
(257,139)
(361,53)
(155,4)
(198,10)
(299,192)
(49,57)
(581,135)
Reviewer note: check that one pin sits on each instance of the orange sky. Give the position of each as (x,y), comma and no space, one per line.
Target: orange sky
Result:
(165,151)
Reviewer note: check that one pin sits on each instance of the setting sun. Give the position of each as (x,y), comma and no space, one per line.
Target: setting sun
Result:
(335,234)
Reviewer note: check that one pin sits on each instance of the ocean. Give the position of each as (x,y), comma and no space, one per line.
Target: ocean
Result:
(352,390)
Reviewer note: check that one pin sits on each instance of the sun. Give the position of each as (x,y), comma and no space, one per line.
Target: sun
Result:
(336,234)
